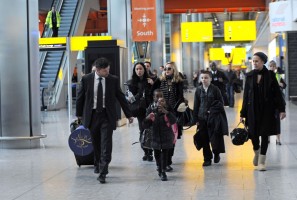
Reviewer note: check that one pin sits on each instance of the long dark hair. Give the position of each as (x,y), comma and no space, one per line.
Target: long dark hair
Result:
(136,78)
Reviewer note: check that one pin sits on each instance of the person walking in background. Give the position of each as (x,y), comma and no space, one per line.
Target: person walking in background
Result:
(140,88)
(53,20)
(150,73)
(231,77)
(282,85)
(95,106)
(171,84)
(160,118)
(261,98)
(220,80)
(210,118)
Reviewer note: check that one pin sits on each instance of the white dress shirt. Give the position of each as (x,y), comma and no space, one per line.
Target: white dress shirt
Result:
(96,82)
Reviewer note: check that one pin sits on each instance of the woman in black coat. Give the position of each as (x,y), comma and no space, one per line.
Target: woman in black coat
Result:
(261,98)
(140,88)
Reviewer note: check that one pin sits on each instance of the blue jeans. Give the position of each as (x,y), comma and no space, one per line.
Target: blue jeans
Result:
(230,94)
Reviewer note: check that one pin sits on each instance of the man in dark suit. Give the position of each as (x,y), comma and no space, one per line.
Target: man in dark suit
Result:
(220,80)
(95,104)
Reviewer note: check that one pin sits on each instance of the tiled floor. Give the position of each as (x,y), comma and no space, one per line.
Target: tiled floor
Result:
(51,171)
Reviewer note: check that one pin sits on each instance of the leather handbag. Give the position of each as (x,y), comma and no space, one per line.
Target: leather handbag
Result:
(239,135)
(186,118)
(138,107)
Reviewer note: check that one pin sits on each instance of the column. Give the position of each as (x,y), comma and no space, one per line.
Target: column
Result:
(195,52)
(201,47)
(157,51)
(175,41)
(119,27)
(187,52)
(19,82)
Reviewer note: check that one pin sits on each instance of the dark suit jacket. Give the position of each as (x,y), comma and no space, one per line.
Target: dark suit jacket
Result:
(113,92)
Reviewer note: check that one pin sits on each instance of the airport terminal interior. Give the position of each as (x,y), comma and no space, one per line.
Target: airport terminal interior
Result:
(39,104)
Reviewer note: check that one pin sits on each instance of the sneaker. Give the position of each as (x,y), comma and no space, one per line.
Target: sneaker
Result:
(169,168)
(206,163)
(217,158)
(145,158)
(150,158)
(278,143)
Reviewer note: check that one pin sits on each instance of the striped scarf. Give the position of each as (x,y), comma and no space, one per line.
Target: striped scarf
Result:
(169,92)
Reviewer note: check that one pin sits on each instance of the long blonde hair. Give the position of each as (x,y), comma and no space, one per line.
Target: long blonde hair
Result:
(176,76)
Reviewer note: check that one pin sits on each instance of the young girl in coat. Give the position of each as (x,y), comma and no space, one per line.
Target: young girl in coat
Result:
(160,119)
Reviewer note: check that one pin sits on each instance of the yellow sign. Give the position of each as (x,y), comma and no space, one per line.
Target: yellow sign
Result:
(54,40)
(79,43)
(238,56)
(216,54)
(240,30)
(196,32)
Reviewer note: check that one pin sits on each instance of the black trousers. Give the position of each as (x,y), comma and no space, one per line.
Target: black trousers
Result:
(141,129)
(101,132)
(161,156)
(207,152)
(55,30)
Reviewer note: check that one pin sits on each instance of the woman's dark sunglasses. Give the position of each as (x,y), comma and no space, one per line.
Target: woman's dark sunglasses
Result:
(167,69)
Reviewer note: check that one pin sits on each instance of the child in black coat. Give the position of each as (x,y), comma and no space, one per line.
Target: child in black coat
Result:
(160,119)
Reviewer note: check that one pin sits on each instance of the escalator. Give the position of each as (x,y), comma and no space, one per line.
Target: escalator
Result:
(55,64)
(53,59)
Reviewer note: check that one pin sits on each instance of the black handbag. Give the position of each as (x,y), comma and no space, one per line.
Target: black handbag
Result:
(146,138)
(186,118)
(239,135)
(138,107)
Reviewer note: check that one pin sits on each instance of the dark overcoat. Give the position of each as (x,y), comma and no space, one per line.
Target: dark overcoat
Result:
(273,100)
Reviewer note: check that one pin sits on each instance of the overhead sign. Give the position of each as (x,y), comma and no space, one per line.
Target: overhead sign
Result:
(236,57)
(216,54)
(281,16)
(240,30)
(144,26)
(196,32)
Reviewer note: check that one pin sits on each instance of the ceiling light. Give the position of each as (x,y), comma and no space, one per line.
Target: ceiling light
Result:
(259,11)
(188,12)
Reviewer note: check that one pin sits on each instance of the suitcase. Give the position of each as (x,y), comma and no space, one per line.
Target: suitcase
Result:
(80,142)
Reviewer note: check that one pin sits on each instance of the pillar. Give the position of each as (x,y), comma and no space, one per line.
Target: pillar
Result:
(158,51)
(20,124)
(175,41)
(119,27)
(187,52)
(201,47)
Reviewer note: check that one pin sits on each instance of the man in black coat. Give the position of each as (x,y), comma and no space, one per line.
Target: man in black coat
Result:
(95,104)
(231,76)
(220,80)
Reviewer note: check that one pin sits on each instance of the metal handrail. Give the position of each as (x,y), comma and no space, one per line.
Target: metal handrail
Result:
(23,138)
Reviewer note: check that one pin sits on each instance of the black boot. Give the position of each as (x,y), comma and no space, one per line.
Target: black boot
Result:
(163,176)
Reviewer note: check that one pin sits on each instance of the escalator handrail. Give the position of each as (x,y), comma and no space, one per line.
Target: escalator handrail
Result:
(64,55)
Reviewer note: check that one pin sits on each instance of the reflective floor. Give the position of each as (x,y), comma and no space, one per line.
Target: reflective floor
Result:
(51,171)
